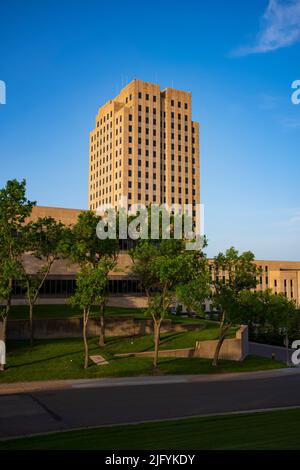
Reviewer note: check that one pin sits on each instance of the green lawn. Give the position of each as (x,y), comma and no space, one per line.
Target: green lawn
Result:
(172,340)
(266,430)
(63,359)
(68,311)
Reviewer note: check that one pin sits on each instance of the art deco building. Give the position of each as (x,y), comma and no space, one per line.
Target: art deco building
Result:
(145,146)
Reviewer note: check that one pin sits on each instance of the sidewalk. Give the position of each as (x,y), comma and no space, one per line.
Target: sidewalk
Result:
(30,387)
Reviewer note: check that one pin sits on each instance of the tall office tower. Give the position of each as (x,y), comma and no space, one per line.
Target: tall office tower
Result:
(145,146)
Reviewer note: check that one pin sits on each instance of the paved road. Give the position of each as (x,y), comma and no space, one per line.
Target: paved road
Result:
(93,403)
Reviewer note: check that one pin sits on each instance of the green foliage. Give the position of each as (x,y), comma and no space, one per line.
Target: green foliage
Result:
(91,285)
(45,239)
(15,208)
(233,273)
(268,313)
(85,246)
(10,269)
(196,289)
(167,271)
(91,289)
(91,253)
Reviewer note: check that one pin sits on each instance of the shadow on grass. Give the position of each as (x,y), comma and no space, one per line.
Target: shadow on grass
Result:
(66,354)
(145,348)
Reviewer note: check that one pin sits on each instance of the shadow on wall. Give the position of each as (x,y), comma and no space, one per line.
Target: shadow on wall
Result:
(125,301)
(52,328)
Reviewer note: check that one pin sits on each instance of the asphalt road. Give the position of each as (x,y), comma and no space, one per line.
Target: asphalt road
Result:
(90,404)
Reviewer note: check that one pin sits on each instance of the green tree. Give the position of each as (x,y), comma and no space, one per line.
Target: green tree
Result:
(165,269)
(233,273)
(196,290)
(45,239)
(88,250)
(294,325)
(267,314)
(280,312)
(15,208)
(10,269)
(91,284)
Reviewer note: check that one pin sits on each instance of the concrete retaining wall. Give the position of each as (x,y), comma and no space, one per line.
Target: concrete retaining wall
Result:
(125,300)
(184,352)
(53,328)
(235,349)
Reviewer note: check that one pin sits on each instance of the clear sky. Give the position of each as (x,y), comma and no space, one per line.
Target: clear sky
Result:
(62,59)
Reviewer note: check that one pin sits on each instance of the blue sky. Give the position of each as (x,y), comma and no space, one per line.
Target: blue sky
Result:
(61,60)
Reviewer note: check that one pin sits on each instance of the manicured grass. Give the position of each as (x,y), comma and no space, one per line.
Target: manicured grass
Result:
(204,329)
(172,340)
(68,311)
(20,312)
(63,359)
(272,430)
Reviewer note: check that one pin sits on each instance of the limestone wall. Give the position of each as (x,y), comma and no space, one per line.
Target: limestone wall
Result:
(235,349)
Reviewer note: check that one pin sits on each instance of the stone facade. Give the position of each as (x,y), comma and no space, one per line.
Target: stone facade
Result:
(66,216)
(145,146)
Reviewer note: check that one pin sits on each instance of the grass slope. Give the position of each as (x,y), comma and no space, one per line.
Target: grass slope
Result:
(68,311)
(267,430)
(20,312)
(63,359)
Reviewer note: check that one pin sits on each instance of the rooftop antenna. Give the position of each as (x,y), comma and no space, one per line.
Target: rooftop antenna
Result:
(172,84)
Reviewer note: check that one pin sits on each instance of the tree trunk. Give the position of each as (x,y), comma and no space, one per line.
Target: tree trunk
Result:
(217,351)
(223,331)
(3,329)
(3,337)
(86,346)
(157,324)
(102,327)
(4,321)
(31,323)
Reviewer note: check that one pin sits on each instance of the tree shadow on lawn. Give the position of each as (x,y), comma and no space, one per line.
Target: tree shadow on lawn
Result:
(20,348)
(93,347)
(117,340)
